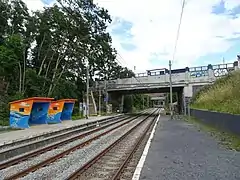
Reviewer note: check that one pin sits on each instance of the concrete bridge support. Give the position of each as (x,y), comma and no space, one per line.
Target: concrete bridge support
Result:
(122,103)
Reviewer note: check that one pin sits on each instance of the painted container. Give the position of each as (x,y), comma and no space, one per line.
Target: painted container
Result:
(29,111)
(67,109)
(55,111)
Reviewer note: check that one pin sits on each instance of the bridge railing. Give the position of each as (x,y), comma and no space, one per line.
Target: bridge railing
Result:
(191,75)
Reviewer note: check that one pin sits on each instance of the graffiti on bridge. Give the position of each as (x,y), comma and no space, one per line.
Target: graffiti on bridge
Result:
(221,72)
(196,74)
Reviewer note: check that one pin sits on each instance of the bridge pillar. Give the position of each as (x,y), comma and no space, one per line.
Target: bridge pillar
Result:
(236,65)
(122,103)
(187,75)
(188,90)
(211,76)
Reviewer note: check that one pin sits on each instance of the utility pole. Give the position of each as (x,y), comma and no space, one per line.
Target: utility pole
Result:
(99,100)
(87,105)
(106,95)
(170,84)
(132,103)
(148,102)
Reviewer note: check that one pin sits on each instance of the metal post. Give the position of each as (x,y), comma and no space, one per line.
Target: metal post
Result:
(87,105)
(170,84)
(131,103)
(143,101)
(184,105)
(122,103)
(189,114)
(106,96)
(99,101)
(147,101)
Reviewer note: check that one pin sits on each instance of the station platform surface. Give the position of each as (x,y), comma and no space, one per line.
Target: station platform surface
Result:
(36,130)
(180,151)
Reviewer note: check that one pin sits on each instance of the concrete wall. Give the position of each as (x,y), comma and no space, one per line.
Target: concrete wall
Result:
(192,80)
(196,88)
(193,75)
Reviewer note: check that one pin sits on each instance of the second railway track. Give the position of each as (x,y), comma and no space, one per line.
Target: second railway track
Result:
(28,169)
(112,162)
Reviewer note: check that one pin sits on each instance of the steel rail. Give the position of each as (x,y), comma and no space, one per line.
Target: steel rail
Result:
(117,175)
(16,160)
(102,153)
(60,155)
(50,139)
(53,146)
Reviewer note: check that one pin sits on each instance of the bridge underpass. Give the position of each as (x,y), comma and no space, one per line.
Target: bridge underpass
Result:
(116,98)
(186,82)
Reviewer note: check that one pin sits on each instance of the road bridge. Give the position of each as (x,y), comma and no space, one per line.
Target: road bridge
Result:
(186,81)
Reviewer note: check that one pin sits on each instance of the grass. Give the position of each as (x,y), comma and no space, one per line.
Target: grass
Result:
(227,139)
(77,117)
(222,96)
(4,122)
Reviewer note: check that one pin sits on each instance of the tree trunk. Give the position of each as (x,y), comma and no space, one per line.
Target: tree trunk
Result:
(43,61)
(38,55)
(54,74)
(46,73)
(20,77)
(55,83)
(24,71)
(41,66)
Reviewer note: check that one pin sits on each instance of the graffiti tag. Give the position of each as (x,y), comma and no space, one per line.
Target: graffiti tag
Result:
(220,72)
(199,73)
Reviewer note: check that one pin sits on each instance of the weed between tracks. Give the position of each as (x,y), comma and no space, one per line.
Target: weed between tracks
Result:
(228,140)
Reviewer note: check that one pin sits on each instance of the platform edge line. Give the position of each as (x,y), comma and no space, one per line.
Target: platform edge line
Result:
(139,167)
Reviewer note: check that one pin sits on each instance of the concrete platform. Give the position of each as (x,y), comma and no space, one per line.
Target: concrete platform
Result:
(36,130)
(180,151)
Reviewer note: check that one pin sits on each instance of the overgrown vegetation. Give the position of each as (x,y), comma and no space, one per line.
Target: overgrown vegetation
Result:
(44,53)
(222,96)
(134,103)
(226,139)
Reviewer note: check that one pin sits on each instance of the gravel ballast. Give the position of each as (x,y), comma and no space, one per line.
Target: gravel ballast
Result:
(16,168)
(62,168)
(59,166)
(180,151)
(107,165)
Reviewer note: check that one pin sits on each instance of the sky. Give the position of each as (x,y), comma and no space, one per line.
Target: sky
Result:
(144,31)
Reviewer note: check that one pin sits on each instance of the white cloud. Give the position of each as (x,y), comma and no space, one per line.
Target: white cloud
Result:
(155,24)
(34,4)
(154,29)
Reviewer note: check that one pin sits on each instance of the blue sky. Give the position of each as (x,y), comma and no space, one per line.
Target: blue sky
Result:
(47,1)
(123,31)
(144,31)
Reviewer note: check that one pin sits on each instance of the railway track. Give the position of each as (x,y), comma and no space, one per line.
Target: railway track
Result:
(22,146)
(52,159)
(113,161)
(56,145)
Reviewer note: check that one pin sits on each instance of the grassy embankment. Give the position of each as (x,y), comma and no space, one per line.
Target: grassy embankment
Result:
(222,96)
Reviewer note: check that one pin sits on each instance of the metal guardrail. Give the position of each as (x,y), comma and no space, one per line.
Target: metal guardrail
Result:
(113,84)
(151,85)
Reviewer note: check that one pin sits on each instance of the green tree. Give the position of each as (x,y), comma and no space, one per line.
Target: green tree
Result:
(46,53)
